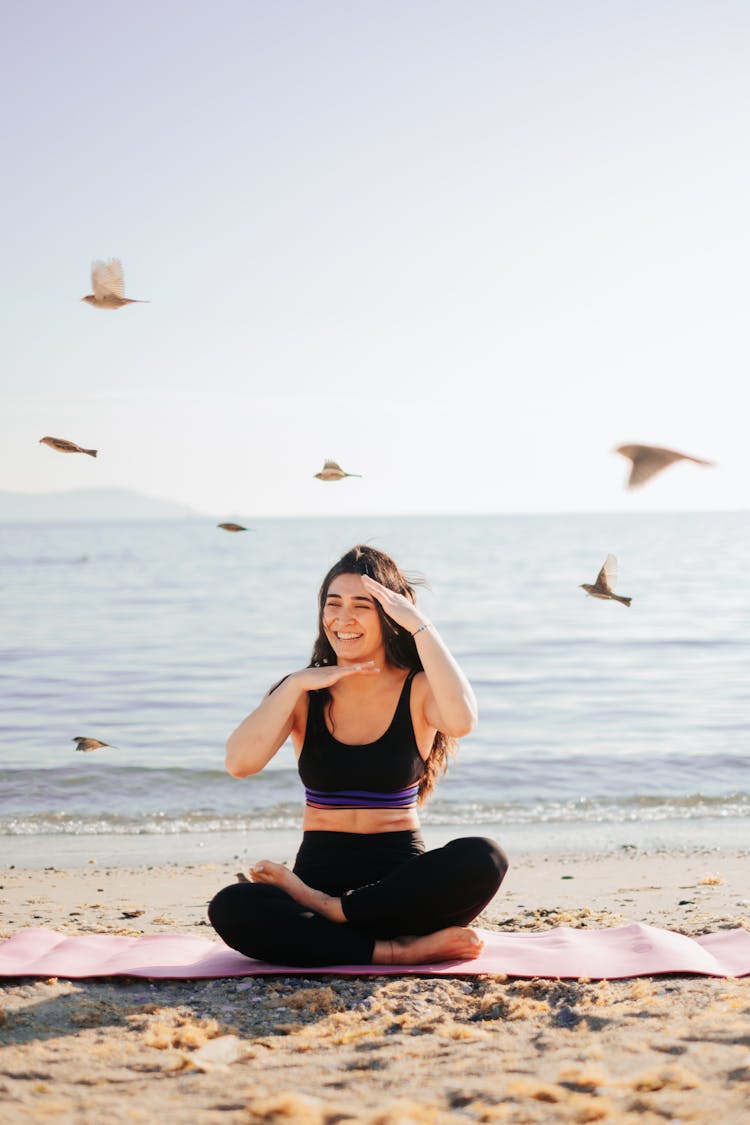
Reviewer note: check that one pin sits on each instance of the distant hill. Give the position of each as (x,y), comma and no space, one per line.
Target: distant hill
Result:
(88,504)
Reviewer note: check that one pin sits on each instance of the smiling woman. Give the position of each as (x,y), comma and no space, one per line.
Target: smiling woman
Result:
(372,719)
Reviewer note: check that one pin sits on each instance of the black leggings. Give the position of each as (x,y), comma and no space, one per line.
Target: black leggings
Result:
(400,890)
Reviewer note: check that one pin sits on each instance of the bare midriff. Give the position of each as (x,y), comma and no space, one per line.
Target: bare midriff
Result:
(365,821)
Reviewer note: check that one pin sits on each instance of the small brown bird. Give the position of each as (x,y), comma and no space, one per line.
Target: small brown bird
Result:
(648,460)
(88,744)
(605,580)
(108,283)
(233,527)
(63,446)
(332,471)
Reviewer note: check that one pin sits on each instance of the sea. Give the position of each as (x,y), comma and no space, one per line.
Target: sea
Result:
(601,727)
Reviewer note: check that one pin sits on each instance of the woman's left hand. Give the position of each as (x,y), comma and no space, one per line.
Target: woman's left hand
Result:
(398,607)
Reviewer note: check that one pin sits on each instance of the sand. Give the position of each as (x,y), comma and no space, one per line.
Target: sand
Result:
(381,1050)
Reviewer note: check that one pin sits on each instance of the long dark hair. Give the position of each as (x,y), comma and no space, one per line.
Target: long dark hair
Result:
(400,648)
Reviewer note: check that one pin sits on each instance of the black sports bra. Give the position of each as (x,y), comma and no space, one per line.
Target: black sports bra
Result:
(375,775)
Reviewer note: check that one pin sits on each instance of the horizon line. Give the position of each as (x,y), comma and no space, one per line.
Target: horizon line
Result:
(202,517)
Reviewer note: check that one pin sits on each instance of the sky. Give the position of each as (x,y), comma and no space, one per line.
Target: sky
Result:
(464,248)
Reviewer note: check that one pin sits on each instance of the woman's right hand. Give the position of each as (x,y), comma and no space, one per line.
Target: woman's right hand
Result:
(325,676)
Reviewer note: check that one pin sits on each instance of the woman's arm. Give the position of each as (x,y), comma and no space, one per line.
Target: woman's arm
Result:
(255,741)
(449,704)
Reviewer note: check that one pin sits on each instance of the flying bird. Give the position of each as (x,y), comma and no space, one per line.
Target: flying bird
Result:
(332,471)
(648,460)
(88,744)
(63,446)
(108,283)
(233,527)
(605,581)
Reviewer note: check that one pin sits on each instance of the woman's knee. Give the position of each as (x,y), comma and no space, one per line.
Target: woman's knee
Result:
(481,857)
(242,906)
(224,907)
(244,917)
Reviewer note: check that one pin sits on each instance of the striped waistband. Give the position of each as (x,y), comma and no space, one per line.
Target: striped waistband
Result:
(362,799)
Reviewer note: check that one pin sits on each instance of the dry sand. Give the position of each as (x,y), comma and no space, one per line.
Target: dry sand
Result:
(381,1050)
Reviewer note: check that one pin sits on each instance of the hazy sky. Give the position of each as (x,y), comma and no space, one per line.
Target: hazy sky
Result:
(462,247)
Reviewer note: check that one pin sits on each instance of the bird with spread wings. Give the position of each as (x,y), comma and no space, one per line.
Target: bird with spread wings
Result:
(108,283)
(332,471)
(648,460)
(605,583)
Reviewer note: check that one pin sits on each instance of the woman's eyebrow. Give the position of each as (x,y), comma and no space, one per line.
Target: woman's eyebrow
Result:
(357,598)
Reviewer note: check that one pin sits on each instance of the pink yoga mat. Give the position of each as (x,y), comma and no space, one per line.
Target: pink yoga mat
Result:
(625,951)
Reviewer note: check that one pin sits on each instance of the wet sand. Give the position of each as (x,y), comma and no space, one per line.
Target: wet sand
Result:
(381,1050)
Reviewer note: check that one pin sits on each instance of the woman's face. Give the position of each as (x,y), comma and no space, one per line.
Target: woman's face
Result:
(351,622)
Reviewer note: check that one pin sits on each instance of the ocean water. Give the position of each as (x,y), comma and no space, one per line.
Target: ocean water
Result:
(600,726)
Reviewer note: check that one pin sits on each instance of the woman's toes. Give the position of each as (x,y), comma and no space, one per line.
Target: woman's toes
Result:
(474,947)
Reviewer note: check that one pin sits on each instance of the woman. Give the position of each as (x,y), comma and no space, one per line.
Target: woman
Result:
(363,889)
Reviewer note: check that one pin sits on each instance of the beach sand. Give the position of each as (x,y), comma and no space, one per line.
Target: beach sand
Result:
(381,1050)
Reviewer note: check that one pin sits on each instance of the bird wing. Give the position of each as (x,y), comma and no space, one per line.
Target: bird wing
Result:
(332,465)
(648,460)
(107,279)
(606,579)
(89,744)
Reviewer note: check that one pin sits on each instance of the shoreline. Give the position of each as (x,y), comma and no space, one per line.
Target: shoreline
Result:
(645,838)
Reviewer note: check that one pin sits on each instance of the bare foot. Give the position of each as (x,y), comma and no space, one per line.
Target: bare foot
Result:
(457,943)
(277,875)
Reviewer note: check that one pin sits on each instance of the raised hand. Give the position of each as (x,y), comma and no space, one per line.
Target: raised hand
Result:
(398,607)
(313,679)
